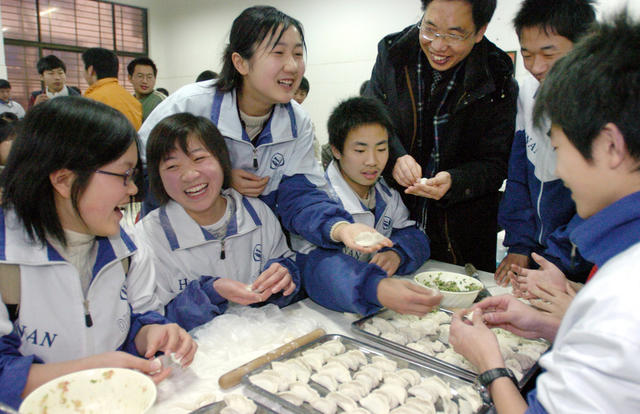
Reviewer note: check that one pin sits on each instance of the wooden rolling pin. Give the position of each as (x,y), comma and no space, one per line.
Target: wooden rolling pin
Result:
(233,377)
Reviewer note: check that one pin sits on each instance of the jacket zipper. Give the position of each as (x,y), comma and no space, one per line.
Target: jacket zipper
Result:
(446,235)
(255,158)
(87,315)
(222,254)
(540,216)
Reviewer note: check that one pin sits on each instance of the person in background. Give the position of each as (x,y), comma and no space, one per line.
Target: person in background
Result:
(101,73)
(142,75)
(302,91)
(53,75)
(300,96)
(537,211)
(269,137)
(6,103)
(592,99)
(361,283)
(206,75)
(65,292)
(211,245)
(452,99)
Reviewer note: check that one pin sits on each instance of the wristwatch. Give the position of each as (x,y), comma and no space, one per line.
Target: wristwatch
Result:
(488,376)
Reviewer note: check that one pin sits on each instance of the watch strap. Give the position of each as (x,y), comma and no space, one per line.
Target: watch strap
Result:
(489,376)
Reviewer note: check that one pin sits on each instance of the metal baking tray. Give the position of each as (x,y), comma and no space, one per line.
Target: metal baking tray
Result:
(415,355)
(424,370)
(216,408)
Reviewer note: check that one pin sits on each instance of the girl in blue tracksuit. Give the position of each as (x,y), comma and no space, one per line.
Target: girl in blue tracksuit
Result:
(210,244)
(62,245)
(269,136)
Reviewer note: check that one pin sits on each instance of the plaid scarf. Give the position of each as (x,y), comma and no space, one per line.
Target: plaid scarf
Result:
(439,120)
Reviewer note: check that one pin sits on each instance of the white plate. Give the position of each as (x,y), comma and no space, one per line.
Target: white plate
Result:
(101,390)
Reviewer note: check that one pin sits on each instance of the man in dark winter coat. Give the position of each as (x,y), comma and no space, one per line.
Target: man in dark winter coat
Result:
(452,98)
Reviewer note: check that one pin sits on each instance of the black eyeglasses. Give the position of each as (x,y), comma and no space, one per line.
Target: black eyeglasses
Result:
(128,175)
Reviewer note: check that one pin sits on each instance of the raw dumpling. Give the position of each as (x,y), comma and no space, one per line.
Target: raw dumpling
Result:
(428,326)
(412,376)
(324,405)
(354,389)
(422,347)
(292,397)
(337,371)
(366,380)
(412,334)
(327,381)
(465,407)
(382,324)
(284,371)
(384,363)
(376,402)
(405,410)
(342,400)
(439,386)
(444,333)
(395,378)
(315,359)
(424,406)
(368,238)
(269,381)
(397,337)
(301,368)
(240,404)
(304,391)
(371,328)
(358,355)
(396,393)
(449,407)
(472,397)
(374,371)
(334,346)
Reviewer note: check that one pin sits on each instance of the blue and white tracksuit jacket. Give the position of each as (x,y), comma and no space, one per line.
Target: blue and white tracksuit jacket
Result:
(346,281)
(594,366)
(537,211)
(51,324)
(297,190)
(188,259)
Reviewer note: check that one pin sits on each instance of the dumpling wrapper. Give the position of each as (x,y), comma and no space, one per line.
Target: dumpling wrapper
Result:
(368,238)
(325,406)
(240,404)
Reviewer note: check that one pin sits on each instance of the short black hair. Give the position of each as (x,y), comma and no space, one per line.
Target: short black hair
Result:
(105,62)
(304,85)
(353,113)
(145,61)
(363,87)
(248,30)
(568,18)
(50,62)
(163,91)
(206,75)
(8,128)
(70,132)
(597,83)
(4,84)
(481,11)
(171,133)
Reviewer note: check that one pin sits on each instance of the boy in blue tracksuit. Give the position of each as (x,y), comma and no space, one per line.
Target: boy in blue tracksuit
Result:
(537,211)
(592,97)
(352,281)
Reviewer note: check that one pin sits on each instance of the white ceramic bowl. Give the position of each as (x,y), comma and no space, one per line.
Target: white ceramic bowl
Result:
(463,299)
(101,390)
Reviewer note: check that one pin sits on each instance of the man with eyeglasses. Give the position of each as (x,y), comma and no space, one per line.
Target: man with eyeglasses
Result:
(452,97)
(142,75)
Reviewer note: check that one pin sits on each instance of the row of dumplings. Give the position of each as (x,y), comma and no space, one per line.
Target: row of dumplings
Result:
(429,335)
(359,383)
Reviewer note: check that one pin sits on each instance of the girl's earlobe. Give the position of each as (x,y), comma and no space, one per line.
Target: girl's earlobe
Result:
(241,65)
(62,181)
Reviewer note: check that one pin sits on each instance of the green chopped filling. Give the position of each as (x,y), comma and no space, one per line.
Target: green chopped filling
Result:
(450,285)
